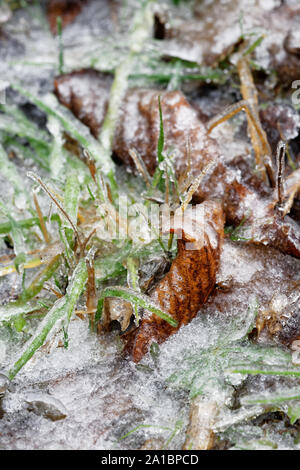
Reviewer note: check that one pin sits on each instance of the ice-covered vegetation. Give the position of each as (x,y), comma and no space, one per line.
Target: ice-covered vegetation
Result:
(76,271)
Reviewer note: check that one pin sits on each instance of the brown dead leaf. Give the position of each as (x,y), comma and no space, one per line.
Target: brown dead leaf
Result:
(191,279)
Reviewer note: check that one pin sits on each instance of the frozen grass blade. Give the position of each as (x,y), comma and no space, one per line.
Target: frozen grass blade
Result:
(9,171)
(71,201)
(15,122)
(41,219)
(281,396)
(91,299)
(294,412)
(253,46)
(140,166)
(144,426)
(157,180)
(63,308)
(252,370)
(60,46)
(134,298)
(161,138)
(6,227)
(38,283)
(33,263)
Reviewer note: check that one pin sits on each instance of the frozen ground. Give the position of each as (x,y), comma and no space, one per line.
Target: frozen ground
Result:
(87,397)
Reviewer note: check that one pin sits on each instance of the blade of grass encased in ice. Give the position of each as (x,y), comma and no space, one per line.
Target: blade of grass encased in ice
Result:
(252,370)
(37,152)
(63,308)
(144,426)
(38,180)
(71,201)
(71,196)
(76,129)
(5,227)
(41,219)
(157,179)
(22,126)
(280,396)
(133,282)
(31,264)
(60,46)
(57,155)
(10,311)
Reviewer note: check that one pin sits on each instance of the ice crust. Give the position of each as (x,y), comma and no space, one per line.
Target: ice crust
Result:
(105,397)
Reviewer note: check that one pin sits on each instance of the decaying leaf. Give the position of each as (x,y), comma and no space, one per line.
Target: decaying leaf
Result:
(86,93)
(191,279)
(243,193)
(66,9)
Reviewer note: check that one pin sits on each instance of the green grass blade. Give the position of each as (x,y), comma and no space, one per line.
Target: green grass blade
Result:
(57,153)
(60,46)
(281,396)
(253,370)
(71,196)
